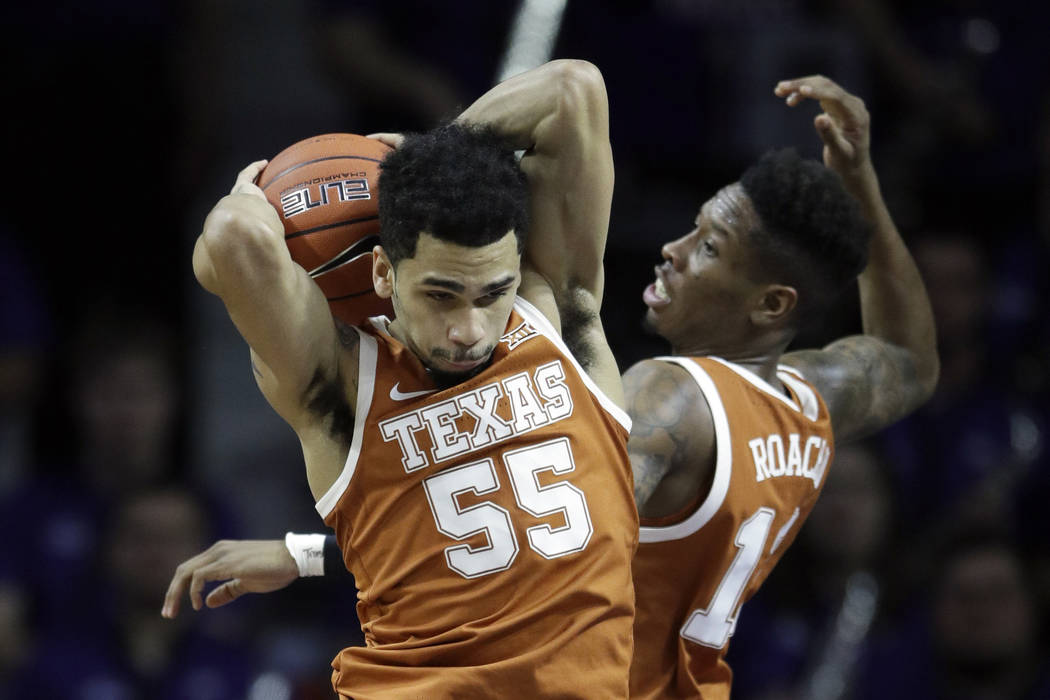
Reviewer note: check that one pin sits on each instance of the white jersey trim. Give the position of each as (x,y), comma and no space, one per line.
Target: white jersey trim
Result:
(534,316)
(368,354)
(809,403)
(723,462)
(804,392)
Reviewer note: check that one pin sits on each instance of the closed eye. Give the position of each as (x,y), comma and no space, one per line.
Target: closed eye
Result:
(438,295)
(492,297)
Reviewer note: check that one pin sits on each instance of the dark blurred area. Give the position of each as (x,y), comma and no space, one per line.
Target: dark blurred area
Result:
(132,434)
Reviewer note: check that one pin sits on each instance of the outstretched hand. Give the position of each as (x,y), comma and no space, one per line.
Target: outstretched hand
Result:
(245,566)
(844,126)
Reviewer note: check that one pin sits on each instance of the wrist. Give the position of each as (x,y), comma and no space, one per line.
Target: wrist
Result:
(308,553)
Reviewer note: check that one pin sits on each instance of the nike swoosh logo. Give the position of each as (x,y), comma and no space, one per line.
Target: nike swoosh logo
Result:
(399,396)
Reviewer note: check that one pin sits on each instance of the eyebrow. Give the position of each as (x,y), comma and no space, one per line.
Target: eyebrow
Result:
(459,288)
(719,228)
(716,224)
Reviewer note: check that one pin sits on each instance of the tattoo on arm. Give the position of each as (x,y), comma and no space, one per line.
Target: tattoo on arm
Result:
(867,383)
(665,425)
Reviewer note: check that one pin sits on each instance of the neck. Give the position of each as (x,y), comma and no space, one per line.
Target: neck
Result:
(761,362)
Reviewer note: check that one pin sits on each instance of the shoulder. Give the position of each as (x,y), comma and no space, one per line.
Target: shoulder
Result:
(672,430)
(665,394)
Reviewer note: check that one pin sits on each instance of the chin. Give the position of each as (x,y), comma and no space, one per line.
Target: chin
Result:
(444,380)
(650,323)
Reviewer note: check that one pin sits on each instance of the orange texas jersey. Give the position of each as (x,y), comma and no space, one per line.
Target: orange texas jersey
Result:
(490,526)
(694,570)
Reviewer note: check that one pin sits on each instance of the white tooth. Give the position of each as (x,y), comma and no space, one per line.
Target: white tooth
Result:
(660,290)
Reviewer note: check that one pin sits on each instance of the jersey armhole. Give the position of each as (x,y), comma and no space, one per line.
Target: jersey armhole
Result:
(366,372)
(533,315)
(723,461)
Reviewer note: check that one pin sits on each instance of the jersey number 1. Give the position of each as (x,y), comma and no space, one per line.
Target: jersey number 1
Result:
(714,626)
(524,466)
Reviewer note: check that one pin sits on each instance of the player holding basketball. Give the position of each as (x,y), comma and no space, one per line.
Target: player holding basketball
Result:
(732,437)
(473,468)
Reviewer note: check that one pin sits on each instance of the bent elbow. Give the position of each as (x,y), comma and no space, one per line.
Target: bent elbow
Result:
(234,244)
(580,89)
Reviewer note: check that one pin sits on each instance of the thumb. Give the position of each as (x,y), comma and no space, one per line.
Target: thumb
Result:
(226,593)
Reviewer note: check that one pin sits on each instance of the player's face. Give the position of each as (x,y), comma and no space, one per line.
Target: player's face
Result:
(702,294)
(452,302)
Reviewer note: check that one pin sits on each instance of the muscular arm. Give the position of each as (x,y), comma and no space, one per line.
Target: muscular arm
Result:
(296,351)
(559,115)
(672,443)
(875,379)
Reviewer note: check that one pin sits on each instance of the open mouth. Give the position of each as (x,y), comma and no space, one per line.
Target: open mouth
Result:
(656,293)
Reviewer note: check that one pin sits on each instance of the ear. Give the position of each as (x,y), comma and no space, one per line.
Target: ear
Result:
(775,305)
(382,273)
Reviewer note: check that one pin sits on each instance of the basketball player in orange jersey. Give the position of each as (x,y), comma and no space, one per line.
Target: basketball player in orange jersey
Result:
(473,467)
(732,437)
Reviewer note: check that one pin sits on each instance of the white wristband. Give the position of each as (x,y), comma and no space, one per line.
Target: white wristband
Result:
(308,553)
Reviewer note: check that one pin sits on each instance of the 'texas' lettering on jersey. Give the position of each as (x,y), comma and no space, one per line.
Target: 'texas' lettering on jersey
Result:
(773,459)
(499,411)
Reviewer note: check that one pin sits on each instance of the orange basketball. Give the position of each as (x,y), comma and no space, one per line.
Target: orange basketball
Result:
(326,190)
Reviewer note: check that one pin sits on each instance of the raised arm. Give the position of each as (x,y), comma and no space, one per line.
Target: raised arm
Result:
(296,350)
(871,380)
(558,114)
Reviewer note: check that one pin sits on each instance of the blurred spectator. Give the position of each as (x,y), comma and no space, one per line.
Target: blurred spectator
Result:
(117,647)
(111,425)
(963,454)
(982,634)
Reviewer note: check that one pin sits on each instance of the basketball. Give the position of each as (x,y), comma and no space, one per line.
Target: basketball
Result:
(326,191)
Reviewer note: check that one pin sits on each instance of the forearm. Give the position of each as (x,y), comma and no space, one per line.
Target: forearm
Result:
(242,257)
(559,114)
(893,299)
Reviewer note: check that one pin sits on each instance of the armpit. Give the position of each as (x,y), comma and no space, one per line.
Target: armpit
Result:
(578,319)
(325,397)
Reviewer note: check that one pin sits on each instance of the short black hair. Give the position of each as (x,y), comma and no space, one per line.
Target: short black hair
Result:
(812,236)
(460,183)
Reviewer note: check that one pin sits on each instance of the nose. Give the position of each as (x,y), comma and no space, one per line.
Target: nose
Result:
(468,328)
(671,251)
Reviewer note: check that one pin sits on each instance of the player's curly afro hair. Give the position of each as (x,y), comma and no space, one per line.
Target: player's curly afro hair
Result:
(813,235)
(458,183)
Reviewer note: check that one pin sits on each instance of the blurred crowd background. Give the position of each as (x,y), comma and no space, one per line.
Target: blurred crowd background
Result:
(132,435)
